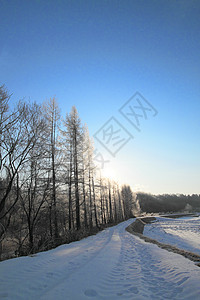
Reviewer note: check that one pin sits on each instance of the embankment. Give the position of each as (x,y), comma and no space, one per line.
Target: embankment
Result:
(137,228)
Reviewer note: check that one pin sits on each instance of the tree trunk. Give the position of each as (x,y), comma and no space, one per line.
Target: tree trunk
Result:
(94,200)
(78,224)
(110,206)
(84,204)
(90,197)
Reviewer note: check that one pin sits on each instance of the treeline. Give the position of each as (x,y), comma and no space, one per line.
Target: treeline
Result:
(168,203)
(50,189)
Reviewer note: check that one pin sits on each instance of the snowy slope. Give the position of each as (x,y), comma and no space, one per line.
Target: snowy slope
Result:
(111,265)
(183,233)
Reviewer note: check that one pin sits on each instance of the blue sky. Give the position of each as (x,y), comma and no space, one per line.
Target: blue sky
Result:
(96,55)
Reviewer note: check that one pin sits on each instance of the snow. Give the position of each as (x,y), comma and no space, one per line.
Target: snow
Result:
(183,233)
(113,264)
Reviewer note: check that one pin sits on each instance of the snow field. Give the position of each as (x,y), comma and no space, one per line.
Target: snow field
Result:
(183,233)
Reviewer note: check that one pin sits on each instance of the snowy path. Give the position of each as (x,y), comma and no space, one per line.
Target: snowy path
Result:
(111,265)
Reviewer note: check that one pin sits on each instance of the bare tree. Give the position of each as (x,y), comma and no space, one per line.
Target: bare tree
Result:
(16,146)
(74,135)
(52,116)
(34,182)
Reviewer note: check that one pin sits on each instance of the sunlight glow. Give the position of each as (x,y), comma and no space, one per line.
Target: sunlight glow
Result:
(109,173)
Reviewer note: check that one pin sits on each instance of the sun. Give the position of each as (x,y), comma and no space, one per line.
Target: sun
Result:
(108,172)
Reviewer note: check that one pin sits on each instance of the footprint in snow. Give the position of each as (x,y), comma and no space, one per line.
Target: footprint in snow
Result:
(90,293)
(134,290)
(3,296)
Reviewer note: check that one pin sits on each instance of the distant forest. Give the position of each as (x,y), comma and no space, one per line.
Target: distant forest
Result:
(168,203)
(51,191)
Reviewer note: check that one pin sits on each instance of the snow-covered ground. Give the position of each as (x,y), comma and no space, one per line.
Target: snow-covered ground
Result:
(114,264)
(183,233)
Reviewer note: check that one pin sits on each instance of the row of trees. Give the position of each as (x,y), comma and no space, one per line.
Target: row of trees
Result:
(50,188)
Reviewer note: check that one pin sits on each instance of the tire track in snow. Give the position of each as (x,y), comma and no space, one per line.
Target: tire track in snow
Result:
(139,274)
(93,272)
(161,276)
(43,272)
(118,282)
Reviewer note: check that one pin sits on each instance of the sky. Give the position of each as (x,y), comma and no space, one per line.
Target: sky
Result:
(111,59)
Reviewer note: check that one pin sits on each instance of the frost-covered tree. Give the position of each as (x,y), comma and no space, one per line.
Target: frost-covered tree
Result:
(127,200)
(52,116)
